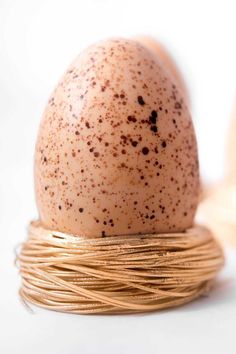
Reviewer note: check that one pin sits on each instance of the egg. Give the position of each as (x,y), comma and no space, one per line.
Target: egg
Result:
(116,152)
(167,61)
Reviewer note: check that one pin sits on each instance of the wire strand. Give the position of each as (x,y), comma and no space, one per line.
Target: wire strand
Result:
(121,274)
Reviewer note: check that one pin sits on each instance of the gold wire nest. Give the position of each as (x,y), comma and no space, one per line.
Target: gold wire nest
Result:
(121,274)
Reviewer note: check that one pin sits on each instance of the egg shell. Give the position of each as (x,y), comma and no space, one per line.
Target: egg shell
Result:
(116,152)
(168,61)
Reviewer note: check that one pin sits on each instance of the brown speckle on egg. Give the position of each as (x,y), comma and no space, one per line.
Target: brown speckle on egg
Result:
(163,144)
(141,101)
(145,150)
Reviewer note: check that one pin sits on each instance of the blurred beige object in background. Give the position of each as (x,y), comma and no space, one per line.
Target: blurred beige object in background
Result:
(218,208)
(167,61)
(230,175)
(218,212)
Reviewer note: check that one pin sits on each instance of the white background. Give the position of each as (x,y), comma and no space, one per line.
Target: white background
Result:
(38,39)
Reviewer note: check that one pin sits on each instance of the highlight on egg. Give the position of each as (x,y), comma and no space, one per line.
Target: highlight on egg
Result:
(167,60)
(116,152)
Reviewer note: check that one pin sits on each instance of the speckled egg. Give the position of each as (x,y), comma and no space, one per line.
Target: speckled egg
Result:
(116,151)
(167,61)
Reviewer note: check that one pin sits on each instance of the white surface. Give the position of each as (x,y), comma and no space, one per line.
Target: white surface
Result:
(37,42)
(204,326)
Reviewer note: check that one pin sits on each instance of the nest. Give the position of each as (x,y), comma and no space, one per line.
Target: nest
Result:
(121,274)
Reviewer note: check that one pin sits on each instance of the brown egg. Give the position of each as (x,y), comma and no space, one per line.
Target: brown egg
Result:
(116,151)
(166,60)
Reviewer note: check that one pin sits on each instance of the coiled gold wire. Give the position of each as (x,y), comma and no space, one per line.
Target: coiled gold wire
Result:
(121,274)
